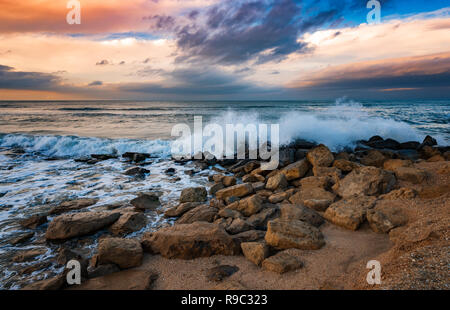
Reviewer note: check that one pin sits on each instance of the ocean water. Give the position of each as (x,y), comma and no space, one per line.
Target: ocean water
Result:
(51,135)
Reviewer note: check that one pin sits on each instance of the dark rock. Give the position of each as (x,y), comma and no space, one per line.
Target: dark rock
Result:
(137,171)
(146,202)
(73,205)
(193,194)
(21,238)
(136,157)
(219,273)
(34,221)
(103,157)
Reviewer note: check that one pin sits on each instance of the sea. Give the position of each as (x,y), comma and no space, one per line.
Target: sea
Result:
(40,142)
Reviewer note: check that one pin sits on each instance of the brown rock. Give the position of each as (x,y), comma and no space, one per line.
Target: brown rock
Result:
(253,178)
(202,213)
(279,197)
(333,173)
(436,158)
(299,212)
(73,205)
(133,279)
(368,181)
(314,182)
(286,234)
(255,252)
(316,198)
(320,156)
(229,181)
(215,188)
(28,255)
(412,175)
(34,221)
(248,236)
(296,170)
(379,222)
(277,181)
(247,206)
(229,213)
(188,241)
(350,212)
(21,238)
(237,226)
(219,273)
(193,194)
(53,284)
(260,220)
(181,209)
(402,193)
(129,222)
(146,202)
(74,225)
(345,165)
(239,191)
(392,164)
(125,253)
(281,263)
(102,270)
(373,158)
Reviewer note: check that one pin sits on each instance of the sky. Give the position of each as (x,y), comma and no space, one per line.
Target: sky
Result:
(224,50)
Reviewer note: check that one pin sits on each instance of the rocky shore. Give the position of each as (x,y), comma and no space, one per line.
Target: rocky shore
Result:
(313,223)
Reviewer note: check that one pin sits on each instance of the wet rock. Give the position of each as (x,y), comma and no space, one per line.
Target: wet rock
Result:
(373,158)
(36,267)
(299,212)
(409,174)
(73,205)
(320,156)
(74,225)
(410,145)
(102,270)
(170,171)
(136,157)
(256,252)
(282,263)
(253,178)
(228,181)
(384,144)
(53,284)
(193,194)
(350,212)
(125,253)
(34,221)
(368,181)
(102,157)
(129,222)
(28,255)
(21,238)
(247,206)
(188,241)
(219,273)
(202,213)
(278,181)
(239,191)
(181,209)
(286,234)
(296,170)
(260,220)
(237,226)
(137,171)
(215,188)
(146,202)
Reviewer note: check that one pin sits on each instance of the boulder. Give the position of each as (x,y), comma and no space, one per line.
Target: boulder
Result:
(237,226)
(129,222)
(21,238)
(239,191)
(248,236)
(27,255)
(137,172)
(247,206)
(146,202)
(279,197)
(412,175)
(428,141)
(193,194)
(345,165)
(320,156)
(296,170)
(79,224)
(253,178)
(188,241)
(125,253)
(333,173)
(299,212)
(229,213)
(202,213)
(34,221)
(368,181)
(315,197)
(286,234)
(277,181)
(282,262)
(215,188)
(255,252)
(350,212)
(385,216)
(260,220)
(384,144)
(73,205)
(373,158)
(428,152)
(315,182)
(181,209)
(392,164)
(228,181)
(379,222)
(401,193)
(136,157)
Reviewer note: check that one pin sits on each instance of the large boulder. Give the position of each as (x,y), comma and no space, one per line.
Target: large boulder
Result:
(193,194)
(302,213)
(316,198)
(350,212)
(146,202)
(188,241)
(368,181)
(345,165)
(240,190)
(255,252)
(237,226)
(129,222)
(125,253)
(286,234)
(320,156)
(34,221)
(260,220)
(296,170)
(373,158)
(412,175)
(247,206)
(278,181)
(202,213)
(73,205)
(385,216)
(282,262)
(79,224)
(392,164)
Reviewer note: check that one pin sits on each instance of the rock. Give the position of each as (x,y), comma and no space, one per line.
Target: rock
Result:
(74,225)
(384,144)
(223,222)
(409,174)
(170,171)
(299,212)
(316,198)
(28,255)
(402,193)
(188,241)
(247,206)
(253,178)
(73,205)
(65,255)
(36,267)
(229,181)
(237,226)
(410,145)
(102,270)
(34,221)
(255,252)
(379,222)
(229,213)
(239,191)
(137,171)
(277,181)
(248,236)
(260,220)
(193,194)
(136,157)
(129,222)
(428,152)
(217,203)
(53,284)
(215,188)
(181,209)
(219,273)
(350,212)
(373,158)
(392,164)
(202,213)
(428,141)
(125,253)
(258,186)
(436,158)
(320,156)
(146,202)
(315,182)
(21,238)
(286,234)
(133,279)
(279,197)
(345,165)
(296,170)
(281,263)
(249,167)
(368,181)
(334,174)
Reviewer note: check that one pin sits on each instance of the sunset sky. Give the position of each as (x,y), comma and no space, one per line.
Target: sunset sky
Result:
(224,50)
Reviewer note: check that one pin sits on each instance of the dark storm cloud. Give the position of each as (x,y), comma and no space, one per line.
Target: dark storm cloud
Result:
(10,79)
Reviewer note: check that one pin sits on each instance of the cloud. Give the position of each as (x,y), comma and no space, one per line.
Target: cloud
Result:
(95,83)
(103,62)
(10,79)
